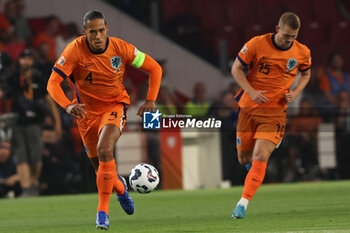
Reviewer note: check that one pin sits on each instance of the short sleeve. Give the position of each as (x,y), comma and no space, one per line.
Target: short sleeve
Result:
(132,55)
(306,63)
(66,62)
(248,52)
(127,51)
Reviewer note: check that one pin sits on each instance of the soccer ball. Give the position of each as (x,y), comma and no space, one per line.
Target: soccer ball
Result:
(144,178)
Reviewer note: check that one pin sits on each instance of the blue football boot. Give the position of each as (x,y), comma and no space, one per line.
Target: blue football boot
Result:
(102,220)
(239,212)
(125,200)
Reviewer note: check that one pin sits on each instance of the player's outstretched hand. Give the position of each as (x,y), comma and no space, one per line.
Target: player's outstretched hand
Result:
(76,110)
(148,106)
(258,97)
(290,96)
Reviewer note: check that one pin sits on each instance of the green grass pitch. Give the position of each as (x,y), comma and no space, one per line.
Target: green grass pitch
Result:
(300,207)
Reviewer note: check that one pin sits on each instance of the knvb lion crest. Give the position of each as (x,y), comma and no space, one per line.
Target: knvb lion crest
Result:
(291,64)
(116,62)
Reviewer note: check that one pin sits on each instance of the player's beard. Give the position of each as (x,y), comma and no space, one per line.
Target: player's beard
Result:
(99,46)
(98,50)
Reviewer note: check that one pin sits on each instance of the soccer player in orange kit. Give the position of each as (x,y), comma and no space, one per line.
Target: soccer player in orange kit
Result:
(273,61)
(96,63)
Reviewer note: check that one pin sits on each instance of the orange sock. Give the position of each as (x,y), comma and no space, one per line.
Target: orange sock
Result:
(118,186)
(254,179)
(105,180)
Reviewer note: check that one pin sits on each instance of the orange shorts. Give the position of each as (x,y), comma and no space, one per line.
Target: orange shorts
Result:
(91,126)
(252,127)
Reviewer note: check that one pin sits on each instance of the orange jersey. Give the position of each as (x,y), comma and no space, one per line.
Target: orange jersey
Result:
(98,75)
(273,70)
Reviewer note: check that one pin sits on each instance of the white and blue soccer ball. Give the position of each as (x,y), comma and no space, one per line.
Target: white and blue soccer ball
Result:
(144,178)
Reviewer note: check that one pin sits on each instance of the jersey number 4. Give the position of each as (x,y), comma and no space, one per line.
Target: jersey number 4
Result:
(89,77)
(264,68)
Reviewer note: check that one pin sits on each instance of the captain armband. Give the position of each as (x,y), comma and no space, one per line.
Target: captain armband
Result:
(139,59)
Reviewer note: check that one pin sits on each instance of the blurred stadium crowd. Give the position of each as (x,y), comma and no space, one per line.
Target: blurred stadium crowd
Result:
(40,147)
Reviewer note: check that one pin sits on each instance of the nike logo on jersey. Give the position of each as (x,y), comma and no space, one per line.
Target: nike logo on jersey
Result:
(107,178)
(86,66)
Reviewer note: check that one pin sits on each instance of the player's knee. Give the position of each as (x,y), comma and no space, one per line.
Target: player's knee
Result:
(243,159)
(105,153)
(261,156)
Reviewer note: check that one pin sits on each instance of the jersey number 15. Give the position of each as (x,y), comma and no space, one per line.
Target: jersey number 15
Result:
(264,68)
